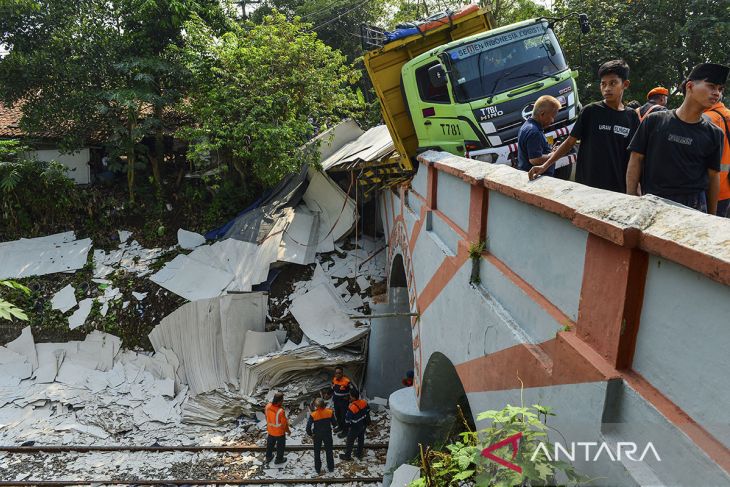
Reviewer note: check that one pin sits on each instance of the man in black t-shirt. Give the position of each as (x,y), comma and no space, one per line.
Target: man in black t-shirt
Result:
(677,153)
(604,130)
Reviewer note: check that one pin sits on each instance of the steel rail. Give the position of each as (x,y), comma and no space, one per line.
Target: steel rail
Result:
(114,448)
(238,481)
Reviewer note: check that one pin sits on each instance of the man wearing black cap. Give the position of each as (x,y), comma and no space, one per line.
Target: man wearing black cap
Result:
(676,153)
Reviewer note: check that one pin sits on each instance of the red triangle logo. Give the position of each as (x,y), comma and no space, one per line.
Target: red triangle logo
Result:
(513,440)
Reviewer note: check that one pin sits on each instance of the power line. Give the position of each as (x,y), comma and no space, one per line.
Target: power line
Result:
(330,6)
(340,15)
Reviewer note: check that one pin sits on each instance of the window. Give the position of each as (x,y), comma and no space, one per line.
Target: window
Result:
(428,91)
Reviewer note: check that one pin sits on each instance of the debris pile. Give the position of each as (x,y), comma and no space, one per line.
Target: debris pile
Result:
(43,255)
(218,357)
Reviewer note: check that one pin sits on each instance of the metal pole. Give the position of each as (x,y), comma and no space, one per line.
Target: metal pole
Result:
(384,315)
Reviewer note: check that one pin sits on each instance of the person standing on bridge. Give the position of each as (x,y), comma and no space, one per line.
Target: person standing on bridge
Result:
(656,101)
(532,146)
(720,116)
(358,419)
(319,427)
(277,428)
(341,387)
(677,153)
(604,129)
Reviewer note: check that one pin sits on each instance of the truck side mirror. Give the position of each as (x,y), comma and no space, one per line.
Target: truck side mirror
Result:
(437,76)
(549,46)
(585,27)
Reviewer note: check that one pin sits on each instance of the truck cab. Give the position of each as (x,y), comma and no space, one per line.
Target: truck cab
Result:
(470,97)
(460,86)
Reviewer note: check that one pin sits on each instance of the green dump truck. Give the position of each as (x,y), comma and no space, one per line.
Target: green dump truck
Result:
(458,85)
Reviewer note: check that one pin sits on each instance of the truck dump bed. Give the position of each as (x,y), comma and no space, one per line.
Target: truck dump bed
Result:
(384,68)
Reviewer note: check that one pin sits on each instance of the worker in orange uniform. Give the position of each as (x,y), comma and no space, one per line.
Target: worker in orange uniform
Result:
(319,427)
(341,387)
(720,116)
(357,419)
(277,428)
(408,381)
(656,101)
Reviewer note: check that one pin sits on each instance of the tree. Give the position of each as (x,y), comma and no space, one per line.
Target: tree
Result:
(336,22)
(510,11)
(660,39)
(260,92)
(22,180)
(97,68)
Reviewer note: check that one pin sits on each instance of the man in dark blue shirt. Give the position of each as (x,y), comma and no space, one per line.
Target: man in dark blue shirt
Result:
(532,146)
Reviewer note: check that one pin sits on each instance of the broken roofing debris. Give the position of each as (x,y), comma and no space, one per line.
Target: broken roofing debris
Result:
(305,214)
(213,358)
(43,255)
(130,257)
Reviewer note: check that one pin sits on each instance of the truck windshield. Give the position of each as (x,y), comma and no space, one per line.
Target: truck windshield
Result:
(505,61)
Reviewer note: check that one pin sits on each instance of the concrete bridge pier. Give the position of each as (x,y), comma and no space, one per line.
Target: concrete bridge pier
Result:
(410,426)
(390,353)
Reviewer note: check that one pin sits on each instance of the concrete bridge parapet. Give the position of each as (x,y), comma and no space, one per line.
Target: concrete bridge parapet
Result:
(612,309)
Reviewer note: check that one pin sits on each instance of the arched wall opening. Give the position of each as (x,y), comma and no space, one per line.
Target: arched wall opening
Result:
(430,422)
(441,390)
(390,350)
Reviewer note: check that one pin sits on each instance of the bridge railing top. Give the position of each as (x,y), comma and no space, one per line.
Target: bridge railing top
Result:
(688,237)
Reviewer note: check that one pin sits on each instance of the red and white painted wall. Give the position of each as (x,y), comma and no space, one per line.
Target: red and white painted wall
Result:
(613,310)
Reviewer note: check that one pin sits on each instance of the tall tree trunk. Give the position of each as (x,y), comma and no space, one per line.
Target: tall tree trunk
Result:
(131,157)
(159,156)
(243,168)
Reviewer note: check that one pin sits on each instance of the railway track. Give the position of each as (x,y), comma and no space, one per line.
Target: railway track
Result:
(157,448)
(226,465)
(287,481)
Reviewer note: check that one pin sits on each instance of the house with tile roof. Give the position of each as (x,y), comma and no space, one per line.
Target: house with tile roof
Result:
(46,148)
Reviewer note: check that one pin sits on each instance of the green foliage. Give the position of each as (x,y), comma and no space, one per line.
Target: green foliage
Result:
(476,249)
(22,180)
(8,310)
(475,254)
(260,92)
(660,39)
(97,69)
(461,460)
(336,22)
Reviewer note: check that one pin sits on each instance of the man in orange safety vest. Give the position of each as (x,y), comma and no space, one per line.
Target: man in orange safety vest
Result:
(277,428)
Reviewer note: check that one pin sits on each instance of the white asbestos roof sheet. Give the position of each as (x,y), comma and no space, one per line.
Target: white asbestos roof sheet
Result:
(50,358)
(259,343)
(283,366)
(208,338)
(130,256)
(229,265)
(43,255)
(25,346)
(64,299)
(268,251)
(189,240)
(78,318)
(191,279)
(337,211)
(13,364)
(334,138)
(373,145)
(299,242)
(235,257)
(324,318)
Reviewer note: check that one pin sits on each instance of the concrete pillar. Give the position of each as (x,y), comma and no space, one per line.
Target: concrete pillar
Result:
(390,352)
(410,426)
